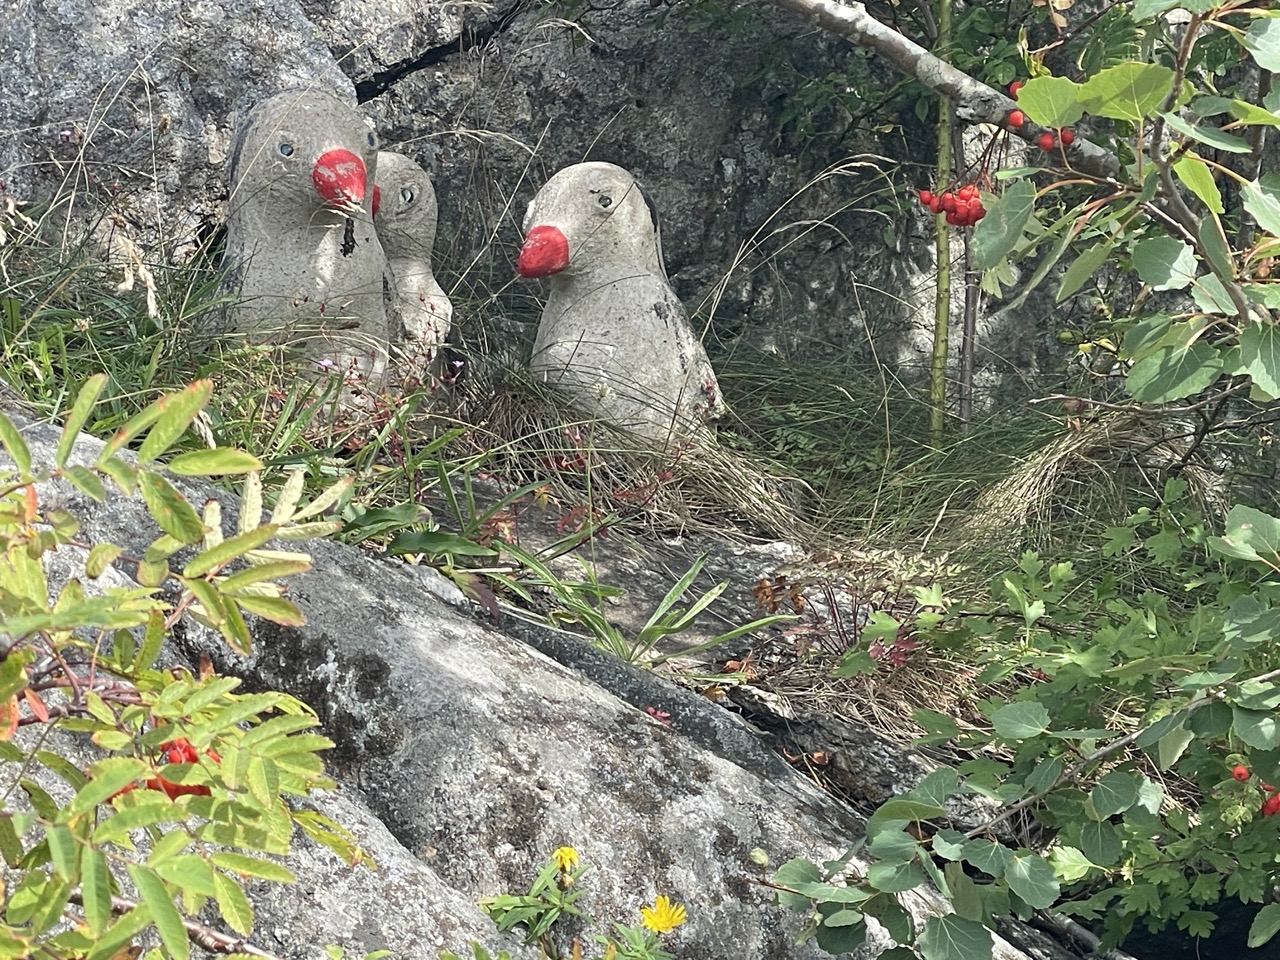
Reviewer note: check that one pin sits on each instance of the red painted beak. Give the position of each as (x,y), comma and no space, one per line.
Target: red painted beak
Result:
(339,176)
(377,198)
(545,251)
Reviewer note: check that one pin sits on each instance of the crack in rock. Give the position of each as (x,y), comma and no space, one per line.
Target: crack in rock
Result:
(470,38)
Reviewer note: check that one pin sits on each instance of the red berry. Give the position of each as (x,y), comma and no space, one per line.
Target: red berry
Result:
(926,196)
(935,205)
(1272,806)
(978,210)
(1240,774)
(1014,88)
(1267,788)
(968,193)
(952,219)
(949,202)
(1017,118)
(1046,142)
(1067,136)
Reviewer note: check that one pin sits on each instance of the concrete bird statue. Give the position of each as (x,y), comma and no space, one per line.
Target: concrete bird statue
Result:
(405,213)
(302,256)
(613,333)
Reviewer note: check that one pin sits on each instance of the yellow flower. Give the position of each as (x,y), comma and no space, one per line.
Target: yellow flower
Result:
(663,916)
(566,858)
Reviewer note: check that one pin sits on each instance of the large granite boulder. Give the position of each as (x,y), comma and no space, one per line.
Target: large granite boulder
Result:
(480,754)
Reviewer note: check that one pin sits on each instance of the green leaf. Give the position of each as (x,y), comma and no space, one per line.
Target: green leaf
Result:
(152,641)
(1214,245)
(253,867)
(1085,266)
(80,410)
(1212,297)
(189,872)
(233,904)
(124,474)
(1262,199)
(1031,877)
(1070,864)
(952,937)
(175,413)
(95,887)
(1257,728)
(1000,230)
(1172,373)
(1114,793)
(901,808)
(891,842)
(1198,178)
(1252,115)
(86,481)
(963,893)
(101,556)
(1209,136)
(152,892)
(937,787)
(895,877)
(1165,263)
(106,778)
(948,844)
(1021,720)
(1051,101)
(1100,843)
(1260,355)
(212,463)
(276,609)
(1172,745)
(227,551)
(120,933)
(1213,720)
(170,509)
(1250,535)
(262,572)
(793,873)
(987,855)
(1262,39)
(64,851)
(15,445)
(1146,9)
(1127,91)
(1265,925)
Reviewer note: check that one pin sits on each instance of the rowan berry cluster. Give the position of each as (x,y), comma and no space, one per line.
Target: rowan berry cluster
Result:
(963,207)
(179,750)
(1270,806)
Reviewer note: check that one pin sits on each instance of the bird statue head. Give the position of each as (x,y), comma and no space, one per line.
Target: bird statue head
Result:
(300,149)
(404,203)
(590,217)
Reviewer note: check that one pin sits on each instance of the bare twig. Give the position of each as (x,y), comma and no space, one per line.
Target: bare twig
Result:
(210,939)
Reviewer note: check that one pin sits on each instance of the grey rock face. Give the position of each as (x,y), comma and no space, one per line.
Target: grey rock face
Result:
(613,334)
(406,221)
(131,102)
(302,257)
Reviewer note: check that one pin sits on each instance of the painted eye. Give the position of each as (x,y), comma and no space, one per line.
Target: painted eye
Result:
(373,139)
(408,194)
(286,149)
(605,200)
